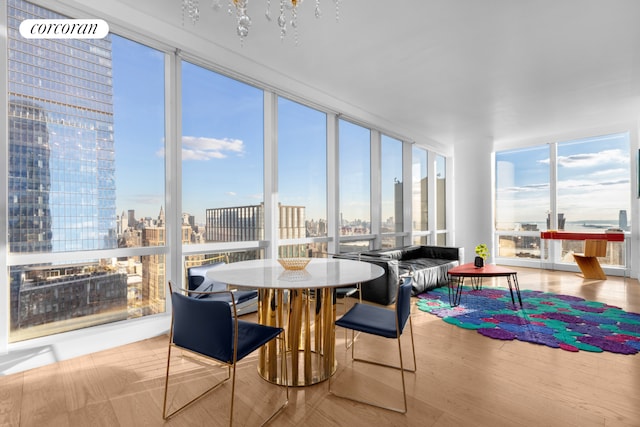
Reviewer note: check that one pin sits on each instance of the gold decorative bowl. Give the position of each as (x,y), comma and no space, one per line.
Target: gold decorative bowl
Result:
(294,263)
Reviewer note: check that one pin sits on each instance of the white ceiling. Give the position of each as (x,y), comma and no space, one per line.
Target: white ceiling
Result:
(437,72)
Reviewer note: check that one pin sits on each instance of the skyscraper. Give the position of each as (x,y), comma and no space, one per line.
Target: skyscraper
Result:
(61,94)
(623,222)
(61,171)
(29,178)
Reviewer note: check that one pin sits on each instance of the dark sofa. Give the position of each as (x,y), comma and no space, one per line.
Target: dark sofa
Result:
(428,265)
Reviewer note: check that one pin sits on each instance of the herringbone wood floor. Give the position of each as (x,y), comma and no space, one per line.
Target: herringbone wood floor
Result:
(463,379)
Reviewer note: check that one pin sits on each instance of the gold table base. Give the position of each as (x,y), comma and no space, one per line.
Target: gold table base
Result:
(308,317)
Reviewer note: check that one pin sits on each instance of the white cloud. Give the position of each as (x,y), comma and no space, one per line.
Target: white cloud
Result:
(589,160)
(201,148)
(524,189)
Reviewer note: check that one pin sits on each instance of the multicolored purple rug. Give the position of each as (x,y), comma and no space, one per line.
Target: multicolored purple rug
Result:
(558,321)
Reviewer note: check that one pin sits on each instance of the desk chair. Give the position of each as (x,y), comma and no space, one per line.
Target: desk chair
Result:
(211,329)
(385,323)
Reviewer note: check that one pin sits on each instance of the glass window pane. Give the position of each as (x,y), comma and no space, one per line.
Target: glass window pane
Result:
(355,246)
(441,193)
(53,298)
(391,173)
(522,200)
(390,242)
(224,257)
(138,82)
(593,191)
(86,135)
(302,171)
(522,188)
(420,190)
(593,183)
(421,240)
(312,250)
(355,179)
(222,157)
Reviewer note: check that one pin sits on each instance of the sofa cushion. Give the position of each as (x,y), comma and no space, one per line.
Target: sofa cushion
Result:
(385,253)
(427,273)
(432,252)
(412,253)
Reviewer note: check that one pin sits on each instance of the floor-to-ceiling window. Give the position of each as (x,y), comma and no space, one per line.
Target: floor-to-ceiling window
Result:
(85,173)
(302,179)
(355,186)
(522,201)
(222,160)
(419,195)
(581,185)
(593,191)
(392,204)
(441,200)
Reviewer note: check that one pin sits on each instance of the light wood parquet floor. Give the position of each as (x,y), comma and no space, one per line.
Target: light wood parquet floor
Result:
(463,379)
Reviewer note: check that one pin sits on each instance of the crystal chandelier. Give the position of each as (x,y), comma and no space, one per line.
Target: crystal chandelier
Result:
(288,14)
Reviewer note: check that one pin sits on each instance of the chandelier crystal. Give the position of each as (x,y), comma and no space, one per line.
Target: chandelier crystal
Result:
(287,15)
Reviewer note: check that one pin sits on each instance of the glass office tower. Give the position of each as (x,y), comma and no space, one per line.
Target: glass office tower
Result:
(67,85)
(29,178)
(61,175)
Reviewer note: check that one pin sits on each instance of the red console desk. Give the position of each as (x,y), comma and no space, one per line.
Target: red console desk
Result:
(595,245)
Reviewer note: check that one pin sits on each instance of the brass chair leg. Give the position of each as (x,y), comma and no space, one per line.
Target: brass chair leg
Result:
(354,335)
(166,415)
(283,367)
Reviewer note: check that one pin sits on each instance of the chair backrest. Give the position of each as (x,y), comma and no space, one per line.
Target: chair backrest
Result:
(403,302)
(203,326)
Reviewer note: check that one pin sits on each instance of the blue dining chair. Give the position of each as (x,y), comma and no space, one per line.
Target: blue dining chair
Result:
(382,322)
(211,329)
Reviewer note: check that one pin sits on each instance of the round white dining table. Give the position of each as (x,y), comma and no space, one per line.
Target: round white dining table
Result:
(303,303)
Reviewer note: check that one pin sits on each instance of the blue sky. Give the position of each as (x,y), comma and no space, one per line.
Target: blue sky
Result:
(138,81)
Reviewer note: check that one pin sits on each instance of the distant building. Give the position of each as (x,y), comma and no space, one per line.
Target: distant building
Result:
(561,221)
(189,219)
(29,179)
(154,278)
(122,224)
(244,223)
(132,218)
(622,220)
(51,294)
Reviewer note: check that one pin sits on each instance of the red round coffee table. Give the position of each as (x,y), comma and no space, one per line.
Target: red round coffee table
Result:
(476,274)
